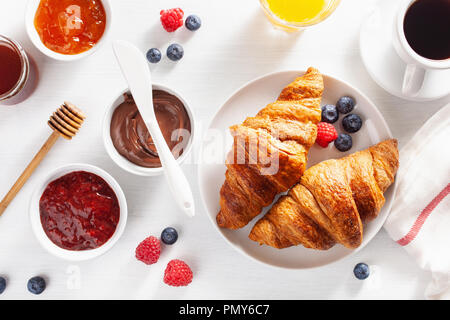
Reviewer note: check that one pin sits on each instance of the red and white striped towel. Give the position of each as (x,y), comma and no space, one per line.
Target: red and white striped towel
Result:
(420,217)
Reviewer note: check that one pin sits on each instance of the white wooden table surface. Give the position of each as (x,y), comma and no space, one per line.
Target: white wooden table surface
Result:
(234,45)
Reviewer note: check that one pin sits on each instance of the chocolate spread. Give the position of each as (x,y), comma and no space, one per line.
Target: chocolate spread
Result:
(131,137)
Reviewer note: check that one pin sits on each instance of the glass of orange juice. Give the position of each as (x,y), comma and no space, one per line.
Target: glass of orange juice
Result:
(295,15)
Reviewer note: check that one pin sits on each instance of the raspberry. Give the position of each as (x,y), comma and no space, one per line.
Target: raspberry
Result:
(177,274)
(148,251)
(326,133)
(172,19)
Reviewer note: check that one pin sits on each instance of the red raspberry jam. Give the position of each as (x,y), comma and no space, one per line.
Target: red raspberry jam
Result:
(79,211)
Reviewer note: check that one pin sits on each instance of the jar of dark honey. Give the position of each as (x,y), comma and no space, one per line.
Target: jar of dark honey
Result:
(16,72)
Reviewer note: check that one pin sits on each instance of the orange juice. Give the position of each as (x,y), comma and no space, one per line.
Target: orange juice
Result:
(293,15)
(296,10)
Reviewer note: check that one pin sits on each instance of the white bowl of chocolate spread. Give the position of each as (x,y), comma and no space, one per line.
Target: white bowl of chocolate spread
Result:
(128,141)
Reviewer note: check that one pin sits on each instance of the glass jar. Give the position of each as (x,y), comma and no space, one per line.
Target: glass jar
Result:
(329,6)
(22,88)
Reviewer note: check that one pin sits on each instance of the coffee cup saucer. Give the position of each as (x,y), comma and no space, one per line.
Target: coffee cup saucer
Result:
(384,64)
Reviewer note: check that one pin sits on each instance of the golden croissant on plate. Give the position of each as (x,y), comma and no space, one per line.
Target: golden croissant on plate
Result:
(269,151)
(332,201)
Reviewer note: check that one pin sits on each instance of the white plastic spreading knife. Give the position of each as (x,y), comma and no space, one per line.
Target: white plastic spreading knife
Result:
(135,68)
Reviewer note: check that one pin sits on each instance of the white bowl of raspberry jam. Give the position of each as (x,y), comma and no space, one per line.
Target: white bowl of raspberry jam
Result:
(78,212)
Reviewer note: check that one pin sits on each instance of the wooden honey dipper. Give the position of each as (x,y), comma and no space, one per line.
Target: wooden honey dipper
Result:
(65,122)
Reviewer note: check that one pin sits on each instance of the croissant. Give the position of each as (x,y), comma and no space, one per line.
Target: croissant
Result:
(270,150)
(331,202)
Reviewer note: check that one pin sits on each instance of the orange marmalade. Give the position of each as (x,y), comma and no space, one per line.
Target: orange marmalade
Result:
(70,26)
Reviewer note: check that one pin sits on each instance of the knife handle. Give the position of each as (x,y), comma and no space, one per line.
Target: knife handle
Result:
(178,184)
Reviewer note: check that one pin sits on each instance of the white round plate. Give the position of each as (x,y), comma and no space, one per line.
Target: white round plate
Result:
(217,141)
(384,64)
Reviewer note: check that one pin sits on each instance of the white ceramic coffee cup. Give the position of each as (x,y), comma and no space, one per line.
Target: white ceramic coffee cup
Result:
(416,65)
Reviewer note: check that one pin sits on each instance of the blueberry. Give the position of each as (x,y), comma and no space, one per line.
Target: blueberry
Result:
(361,271)
(345,104)
(36,285)
(2,284)
(352,123)
(175,52)
(153,55)
(169,235)
(343,142)
(329,113)
(193,22)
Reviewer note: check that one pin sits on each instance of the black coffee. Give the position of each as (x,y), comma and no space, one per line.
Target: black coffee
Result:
(427,28)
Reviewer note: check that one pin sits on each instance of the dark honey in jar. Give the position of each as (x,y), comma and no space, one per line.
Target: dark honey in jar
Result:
(18,74)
